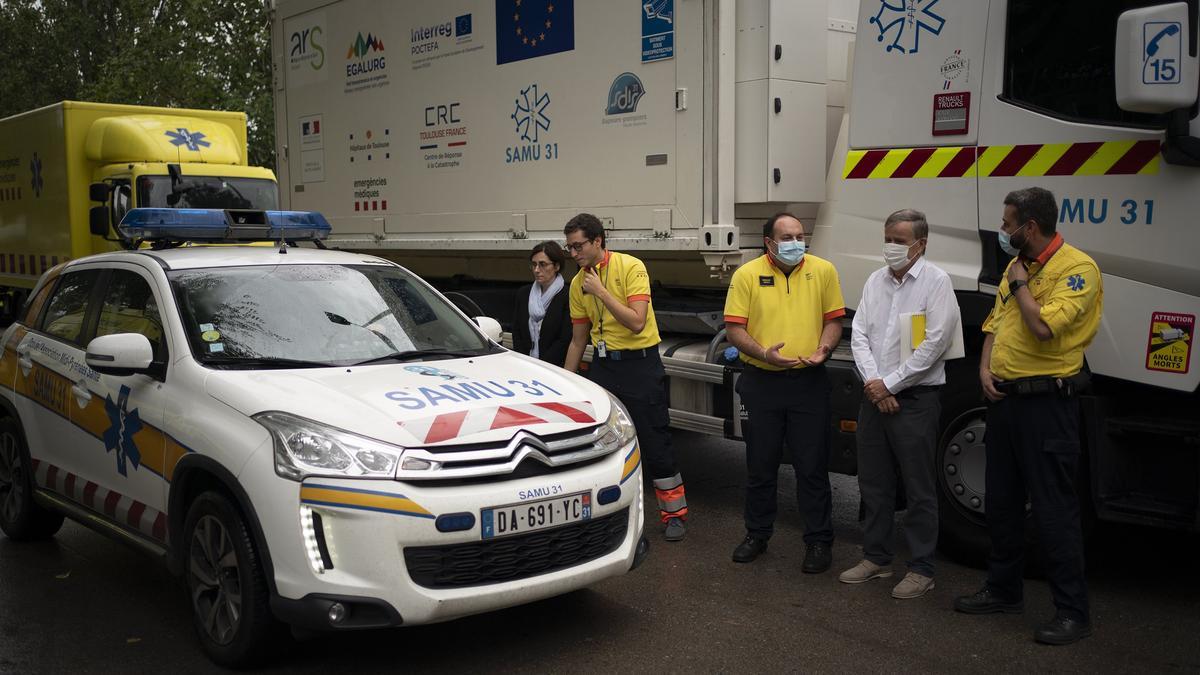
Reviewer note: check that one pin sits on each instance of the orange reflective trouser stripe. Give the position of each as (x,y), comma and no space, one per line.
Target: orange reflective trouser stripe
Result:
(672,501)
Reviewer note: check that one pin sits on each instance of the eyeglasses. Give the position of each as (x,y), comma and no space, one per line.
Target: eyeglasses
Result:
(577,247)
(540,265)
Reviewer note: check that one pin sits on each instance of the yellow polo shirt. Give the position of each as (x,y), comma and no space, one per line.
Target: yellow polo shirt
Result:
(1066,283)
(791,309)
(625,277)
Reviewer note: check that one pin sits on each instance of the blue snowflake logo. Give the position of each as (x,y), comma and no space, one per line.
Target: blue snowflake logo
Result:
(530,113)
(1075,282)
(35,182)
(903,21)
(123,424)
(194,140)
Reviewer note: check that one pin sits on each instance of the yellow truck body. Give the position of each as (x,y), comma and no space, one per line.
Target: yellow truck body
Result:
(50,156)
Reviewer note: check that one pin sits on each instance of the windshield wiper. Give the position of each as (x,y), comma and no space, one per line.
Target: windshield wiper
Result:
(265,362)
(414,354)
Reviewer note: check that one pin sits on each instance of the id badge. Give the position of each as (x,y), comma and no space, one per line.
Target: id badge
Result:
(601,349)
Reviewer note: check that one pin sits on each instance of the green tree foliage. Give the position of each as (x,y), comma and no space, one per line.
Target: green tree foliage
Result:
(208,54)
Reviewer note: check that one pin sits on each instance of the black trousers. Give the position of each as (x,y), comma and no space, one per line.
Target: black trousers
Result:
(1033,449)
(792,406)
(906,440)
(640,384)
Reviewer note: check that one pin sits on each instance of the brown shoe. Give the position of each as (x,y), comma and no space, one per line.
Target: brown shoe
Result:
(913,585)
(863,572)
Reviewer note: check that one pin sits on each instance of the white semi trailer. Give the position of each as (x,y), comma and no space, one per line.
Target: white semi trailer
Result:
(452,136)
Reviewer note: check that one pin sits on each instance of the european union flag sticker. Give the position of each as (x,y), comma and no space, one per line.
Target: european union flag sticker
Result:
(462,25)
(528,30)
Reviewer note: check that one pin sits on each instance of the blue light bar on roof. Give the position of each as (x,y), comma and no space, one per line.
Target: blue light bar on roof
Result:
(216,225)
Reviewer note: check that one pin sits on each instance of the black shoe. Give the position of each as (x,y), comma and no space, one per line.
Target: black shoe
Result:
(817,558)
(987,601)
(1062,630)
(750,548)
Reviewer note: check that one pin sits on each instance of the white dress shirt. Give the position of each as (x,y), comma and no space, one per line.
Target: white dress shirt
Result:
(925,288)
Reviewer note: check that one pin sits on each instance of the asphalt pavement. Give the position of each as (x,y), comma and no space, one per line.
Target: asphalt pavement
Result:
(82,603)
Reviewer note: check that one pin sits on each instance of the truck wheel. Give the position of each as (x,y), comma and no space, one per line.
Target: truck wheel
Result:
(961,467)
(20,517)
(227,585)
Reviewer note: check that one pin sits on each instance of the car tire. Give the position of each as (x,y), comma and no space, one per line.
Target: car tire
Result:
(226,584)
(21,518)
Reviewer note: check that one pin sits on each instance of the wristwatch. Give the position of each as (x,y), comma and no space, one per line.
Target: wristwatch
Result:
(1015,284)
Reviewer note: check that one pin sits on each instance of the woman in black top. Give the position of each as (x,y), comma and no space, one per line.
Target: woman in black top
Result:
(542,317)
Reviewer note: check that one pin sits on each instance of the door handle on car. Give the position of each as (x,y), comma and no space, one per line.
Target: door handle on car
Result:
(24,360)
(82,394)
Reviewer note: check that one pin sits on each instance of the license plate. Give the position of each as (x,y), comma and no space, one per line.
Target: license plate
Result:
(543,514)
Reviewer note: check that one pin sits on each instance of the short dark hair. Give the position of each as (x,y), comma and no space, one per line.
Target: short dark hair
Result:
(769,226)
(553,251)
(920,225)
(1036,204)
(590,225)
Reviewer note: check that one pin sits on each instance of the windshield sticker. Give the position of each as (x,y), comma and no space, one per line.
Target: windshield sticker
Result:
(416,398)
(207,327)
(449,426)
(434,372)
(210,336)
(216,348)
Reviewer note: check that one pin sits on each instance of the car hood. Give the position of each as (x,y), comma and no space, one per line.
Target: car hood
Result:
(469,400)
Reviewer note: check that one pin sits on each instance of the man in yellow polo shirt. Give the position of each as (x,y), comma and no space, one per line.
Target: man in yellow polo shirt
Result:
(783,313)
(1046,313)
(610,306)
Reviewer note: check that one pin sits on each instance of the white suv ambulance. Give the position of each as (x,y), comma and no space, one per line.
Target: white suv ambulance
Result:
(310,437)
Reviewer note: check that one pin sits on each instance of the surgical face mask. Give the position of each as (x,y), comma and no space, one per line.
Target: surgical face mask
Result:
(896,256)
(1010,247)
(789,252)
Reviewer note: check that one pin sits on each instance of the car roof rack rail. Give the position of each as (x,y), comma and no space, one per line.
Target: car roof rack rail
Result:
(163,228)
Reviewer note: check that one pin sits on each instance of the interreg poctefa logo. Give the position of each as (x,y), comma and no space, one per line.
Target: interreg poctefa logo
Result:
(624,94)
(903,21)
(35,181)
(192,140)
(360,55)
(530,113)
(306,48)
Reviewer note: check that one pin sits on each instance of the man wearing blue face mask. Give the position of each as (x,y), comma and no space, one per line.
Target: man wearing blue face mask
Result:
(783,313)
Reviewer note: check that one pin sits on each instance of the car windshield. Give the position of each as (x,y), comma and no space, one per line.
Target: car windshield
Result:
(208,192)
(289,316)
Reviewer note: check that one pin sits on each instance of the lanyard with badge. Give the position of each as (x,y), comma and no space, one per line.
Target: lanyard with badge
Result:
(601,347)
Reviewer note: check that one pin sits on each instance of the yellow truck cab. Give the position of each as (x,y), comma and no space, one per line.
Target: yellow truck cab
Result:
(70,170)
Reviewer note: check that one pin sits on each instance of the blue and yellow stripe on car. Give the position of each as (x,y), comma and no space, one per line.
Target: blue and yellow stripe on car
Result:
(363,500)
(632,461)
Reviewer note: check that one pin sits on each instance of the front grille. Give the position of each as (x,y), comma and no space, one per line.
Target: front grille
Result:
(524,453)
(516,557)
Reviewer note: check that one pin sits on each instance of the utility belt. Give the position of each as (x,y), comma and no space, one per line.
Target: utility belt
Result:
(1065,387)
(624,354)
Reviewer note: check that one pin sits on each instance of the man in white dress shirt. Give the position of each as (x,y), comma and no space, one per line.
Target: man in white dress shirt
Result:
(898,419)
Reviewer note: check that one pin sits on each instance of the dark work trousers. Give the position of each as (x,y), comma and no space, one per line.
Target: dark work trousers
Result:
(640,384)
(1033,449)
(904,441)
(794,406)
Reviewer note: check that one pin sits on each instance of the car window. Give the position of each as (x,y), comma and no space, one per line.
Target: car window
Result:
(129,307)
(33,306)
(67,307)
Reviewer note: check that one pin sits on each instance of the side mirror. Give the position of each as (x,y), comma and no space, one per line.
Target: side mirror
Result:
(490,327)
(98,192)
(98,221)
(120,354)
(1156,64)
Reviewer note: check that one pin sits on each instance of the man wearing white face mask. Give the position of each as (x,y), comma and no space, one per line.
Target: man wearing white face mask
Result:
(898,420)
(784,314)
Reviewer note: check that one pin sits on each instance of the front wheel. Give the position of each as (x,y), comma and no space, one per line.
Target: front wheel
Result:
(961,468)
(21,518)
(227,584)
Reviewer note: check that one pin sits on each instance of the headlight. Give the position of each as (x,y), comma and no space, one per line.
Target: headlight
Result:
(619,430)
(306,448)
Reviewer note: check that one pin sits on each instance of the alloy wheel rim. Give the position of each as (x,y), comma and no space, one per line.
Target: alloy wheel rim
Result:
(12,478)
(214,580)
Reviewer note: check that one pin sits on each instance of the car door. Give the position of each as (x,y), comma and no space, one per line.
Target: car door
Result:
(50,379)
(122,415)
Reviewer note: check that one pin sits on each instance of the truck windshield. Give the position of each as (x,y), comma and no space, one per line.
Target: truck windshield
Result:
(208,192)
(294,316)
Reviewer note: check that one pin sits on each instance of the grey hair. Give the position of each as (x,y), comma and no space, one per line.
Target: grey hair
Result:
(919,224)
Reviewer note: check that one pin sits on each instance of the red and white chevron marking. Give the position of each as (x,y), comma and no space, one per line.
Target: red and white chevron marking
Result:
(114,505)
(448,426)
